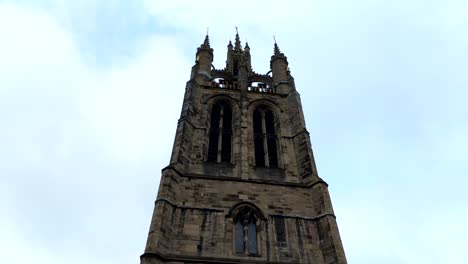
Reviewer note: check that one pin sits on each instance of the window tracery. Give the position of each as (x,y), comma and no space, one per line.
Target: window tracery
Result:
(265,139)
(220,135)
(246,232)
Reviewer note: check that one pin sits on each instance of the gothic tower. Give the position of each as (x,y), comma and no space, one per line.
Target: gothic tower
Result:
(242,186)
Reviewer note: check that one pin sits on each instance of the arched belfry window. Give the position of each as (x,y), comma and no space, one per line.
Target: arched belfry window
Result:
(245,235)
(220,135)
(265,139)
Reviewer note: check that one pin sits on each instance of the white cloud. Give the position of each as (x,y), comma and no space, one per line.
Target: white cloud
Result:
(132,105)
(46,85)
(80,144)
(375,225)
(223,14)
(17,248)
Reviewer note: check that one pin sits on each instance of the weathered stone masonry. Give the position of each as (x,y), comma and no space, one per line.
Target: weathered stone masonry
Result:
(242,186)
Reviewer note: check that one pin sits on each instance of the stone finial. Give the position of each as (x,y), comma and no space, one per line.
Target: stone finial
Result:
(206,43)
(277,51)
(237,43)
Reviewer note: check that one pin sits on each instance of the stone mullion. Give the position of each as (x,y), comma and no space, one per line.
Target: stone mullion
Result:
(265,140)
(246,238)
(220,136)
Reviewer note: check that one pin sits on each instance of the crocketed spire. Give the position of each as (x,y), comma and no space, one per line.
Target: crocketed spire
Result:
(206,43)
(277,51)
(238,43)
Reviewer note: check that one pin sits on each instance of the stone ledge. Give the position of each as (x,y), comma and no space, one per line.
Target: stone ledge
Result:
(257,181)
(315,218)
(202,259)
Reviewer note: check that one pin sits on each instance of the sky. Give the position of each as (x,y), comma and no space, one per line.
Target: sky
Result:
(90,94)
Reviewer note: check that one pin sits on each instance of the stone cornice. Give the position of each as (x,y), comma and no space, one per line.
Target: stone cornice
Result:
(205,259)
(256,181)
(190,123)
(173,204)
(187,207)
(293,136)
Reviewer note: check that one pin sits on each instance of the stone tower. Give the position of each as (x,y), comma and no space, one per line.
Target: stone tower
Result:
(242,186)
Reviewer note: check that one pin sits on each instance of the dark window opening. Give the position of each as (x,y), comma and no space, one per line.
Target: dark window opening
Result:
(280,230)
(214,133)
(257,122)
(259,152)
(258,139)
(213,146)
(227,130)
(272,155)
(235,68)
(269,122)
(220,135)
(265,139)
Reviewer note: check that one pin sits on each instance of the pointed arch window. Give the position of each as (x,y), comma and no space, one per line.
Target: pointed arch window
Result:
(246,232)
(280,228)
(220,135)
(265,139)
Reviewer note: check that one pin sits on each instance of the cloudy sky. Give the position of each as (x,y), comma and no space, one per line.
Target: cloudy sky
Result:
(90,92)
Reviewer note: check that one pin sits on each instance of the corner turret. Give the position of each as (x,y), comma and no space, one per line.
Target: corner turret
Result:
(204,59)
(280,70)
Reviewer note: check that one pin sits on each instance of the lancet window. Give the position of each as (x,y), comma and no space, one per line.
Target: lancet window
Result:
(246,231)
(280,229)
(265,138)
(220,134)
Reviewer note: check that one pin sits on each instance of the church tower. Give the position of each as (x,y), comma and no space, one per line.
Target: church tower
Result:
(242,186)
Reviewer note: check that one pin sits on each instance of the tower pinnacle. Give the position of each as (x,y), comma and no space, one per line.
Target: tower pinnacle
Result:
(204,59)
(277,51)
(238,43)
(206,42)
